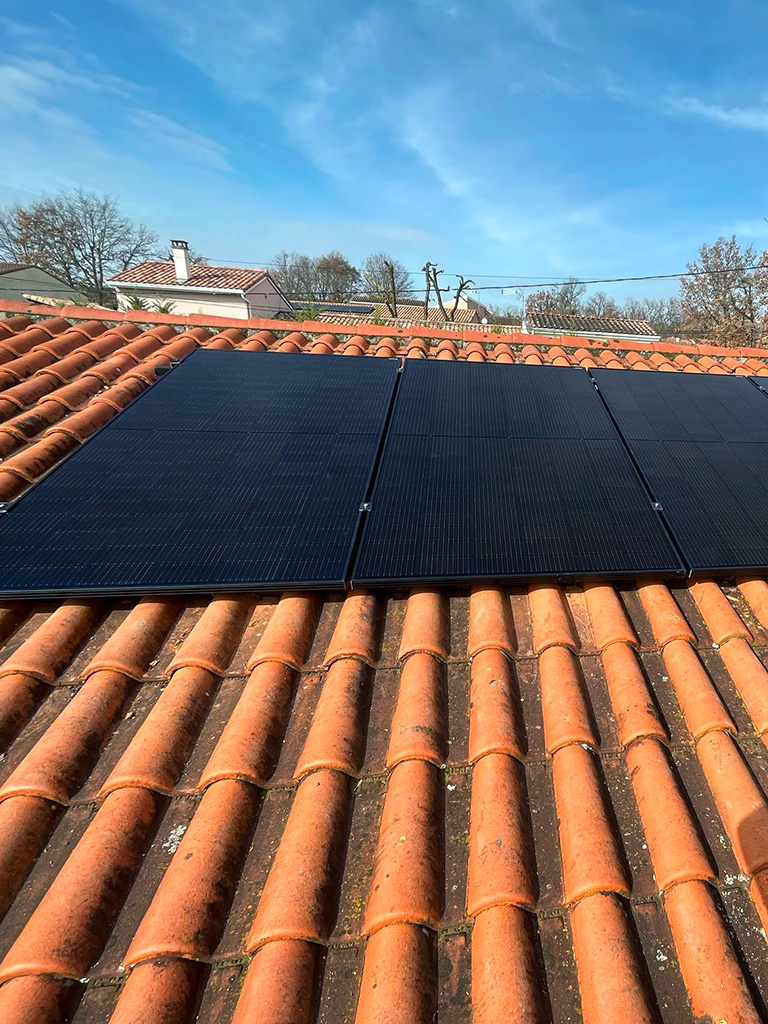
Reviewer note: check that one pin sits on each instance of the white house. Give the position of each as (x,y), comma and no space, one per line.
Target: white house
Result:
(238,292)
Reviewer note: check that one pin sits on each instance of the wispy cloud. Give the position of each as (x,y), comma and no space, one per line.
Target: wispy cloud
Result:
(161,131)
(544,17)
(749,118)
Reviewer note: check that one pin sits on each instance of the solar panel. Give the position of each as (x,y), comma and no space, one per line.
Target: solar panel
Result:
(237,470)
(506,472)
(701,443)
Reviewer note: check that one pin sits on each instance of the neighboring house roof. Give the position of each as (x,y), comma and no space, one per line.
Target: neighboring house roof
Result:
(568,323)
(162,272)
(320,807)
(12,268)
(409,314)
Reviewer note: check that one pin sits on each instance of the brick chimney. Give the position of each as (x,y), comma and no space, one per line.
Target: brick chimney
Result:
(181,261)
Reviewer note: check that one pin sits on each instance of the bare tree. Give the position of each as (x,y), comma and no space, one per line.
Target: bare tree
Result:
(330,277)
(600,304)
(386,280)
(564,298)
(727,299)
(431,271)
(464,283)
(663,314)
(296,274)
(78,236)
(427,271)
(337,278)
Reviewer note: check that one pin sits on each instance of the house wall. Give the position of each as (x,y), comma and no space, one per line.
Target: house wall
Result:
(262,301)
(188,302)
(33,281)
(265,300)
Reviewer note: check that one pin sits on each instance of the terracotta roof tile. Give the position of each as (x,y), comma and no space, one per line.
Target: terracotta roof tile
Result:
(545,803)
(202,276)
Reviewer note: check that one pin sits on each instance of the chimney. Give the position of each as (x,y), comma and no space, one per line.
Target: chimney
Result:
(181,261)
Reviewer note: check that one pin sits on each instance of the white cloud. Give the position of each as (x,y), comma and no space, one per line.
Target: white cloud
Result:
(162,131)
(544,17)
(750,118)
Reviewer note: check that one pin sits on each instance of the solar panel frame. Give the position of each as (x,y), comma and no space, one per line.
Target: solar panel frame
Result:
(165,495)
(403,542)
(701,444)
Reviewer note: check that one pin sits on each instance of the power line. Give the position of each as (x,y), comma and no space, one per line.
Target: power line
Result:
(515,284)
(617,280)
(535,283)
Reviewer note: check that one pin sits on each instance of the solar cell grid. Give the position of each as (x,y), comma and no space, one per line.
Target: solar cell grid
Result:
(258,392)
(194,506)
(506,472)
(701,443)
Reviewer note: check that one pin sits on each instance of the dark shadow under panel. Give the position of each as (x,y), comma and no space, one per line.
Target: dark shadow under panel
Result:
(159,511)
(448,509)
(701,443)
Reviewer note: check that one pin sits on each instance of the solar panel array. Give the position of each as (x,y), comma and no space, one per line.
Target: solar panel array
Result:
(235,470)
(701,442)
(494,472)
(270,471)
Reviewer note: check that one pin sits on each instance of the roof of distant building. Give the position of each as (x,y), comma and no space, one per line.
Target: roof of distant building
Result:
(575,323)
(163,272)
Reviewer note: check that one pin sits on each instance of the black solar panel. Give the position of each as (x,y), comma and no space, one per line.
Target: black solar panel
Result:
(701,443)
(506,472)
(277,393)
(182,492)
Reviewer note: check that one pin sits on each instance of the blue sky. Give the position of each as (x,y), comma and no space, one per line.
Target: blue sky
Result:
(530,138)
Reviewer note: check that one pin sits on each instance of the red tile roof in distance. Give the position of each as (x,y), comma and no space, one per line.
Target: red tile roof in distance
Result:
(504,804)
(565,322)
(162,272)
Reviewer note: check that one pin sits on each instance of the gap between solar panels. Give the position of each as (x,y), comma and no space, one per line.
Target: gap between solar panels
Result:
(507,472)
(235,471)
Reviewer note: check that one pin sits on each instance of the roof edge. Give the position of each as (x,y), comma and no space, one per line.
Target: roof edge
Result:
(485,337)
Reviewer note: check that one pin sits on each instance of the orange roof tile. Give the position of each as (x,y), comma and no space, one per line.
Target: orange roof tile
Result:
(202,276)
(506,803)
